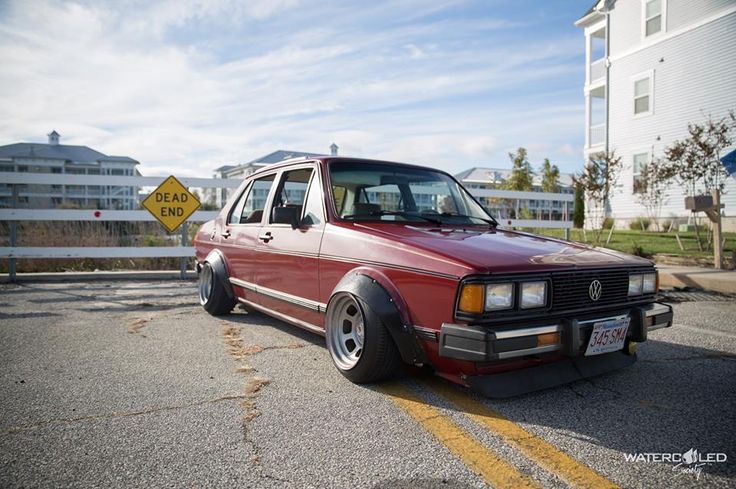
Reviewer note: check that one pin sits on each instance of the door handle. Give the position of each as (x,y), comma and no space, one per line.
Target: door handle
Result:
(265,237)
(226,234)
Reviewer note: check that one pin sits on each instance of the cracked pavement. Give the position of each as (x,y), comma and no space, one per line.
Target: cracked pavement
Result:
(126,384)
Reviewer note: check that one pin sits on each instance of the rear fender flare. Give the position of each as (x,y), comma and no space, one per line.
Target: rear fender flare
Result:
(377,291)
(217,261)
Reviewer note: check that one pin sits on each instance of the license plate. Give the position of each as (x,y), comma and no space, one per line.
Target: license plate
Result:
(608,336)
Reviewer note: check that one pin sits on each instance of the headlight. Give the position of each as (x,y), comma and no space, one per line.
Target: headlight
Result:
(499,296)
(635,283)
(533,294)
(649,283)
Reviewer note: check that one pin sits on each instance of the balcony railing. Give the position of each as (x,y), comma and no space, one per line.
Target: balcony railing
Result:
(597,135)
(597,70)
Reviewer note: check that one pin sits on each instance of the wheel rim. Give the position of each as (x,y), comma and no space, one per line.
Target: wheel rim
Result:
(205,284)
(345,331)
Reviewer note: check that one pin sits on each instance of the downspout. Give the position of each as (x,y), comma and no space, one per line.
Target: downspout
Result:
(608,71)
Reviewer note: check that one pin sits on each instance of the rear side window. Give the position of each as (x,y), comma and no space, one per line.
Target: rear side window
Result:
(249,208)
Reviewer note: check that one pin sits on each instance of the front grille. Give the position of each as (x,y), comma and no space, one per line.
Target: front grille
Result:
(569,294)
(570,289)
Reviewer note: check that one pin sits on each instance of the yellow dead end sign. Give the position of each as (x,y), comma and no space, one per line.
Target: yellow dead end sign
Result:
(171,203)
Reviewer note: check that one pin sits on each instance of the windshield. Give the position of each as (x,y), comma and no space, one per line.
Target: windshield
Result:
(385,192)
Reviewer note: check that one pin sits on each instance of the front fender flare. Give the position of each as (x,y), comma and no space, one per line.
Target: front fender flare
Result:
(381,302)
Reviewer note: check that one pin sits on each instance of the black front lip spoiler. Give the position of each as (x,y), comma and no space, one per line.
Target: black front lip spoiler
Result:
(485,343)
(570,369)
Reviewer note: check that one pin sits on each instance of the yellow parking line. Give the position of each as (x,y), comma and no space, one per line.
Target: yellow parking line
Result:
(491,467)
(546,455)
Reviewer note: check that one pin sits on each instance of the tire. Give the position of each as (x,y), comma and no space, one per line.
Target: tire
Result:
(359,344)
(212,294)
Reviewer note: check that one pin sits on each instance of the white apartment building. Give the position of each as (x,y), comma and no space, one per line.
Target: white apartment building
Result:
(652,67)
(57,158)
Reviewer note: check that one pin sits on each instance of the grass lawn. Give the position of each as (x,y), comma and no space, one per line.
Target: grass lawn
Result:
(651,243)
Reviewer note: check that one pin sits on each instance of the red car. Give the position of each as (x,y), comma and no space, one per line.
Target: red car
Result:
(399,263)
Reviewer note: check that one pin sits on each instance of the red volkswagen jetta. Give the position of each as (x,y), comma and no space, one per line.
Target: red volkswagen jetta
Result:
(394,262)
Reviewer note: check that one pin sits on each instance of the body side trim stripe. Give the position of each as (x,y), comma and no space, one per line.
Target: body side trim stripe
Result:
(284,317)
(276,294)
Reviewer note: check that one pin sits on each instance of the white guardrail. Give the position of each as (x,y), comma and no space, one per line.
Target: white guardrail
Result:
(14,215)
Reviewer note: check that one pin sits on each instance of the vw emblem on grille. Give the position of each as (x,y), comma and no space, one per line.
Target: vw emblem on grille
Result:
(595,289)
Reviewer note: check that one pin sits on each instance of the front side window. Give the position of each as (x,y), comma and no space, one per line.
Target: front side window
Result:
(288,203)
(643,95)
(313,211)
(652,17)
(641,160)
(385,192)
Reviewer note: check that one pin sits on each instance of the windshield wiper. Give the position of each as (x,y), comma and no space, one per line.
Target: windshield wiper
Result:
(490,221)
(433,220)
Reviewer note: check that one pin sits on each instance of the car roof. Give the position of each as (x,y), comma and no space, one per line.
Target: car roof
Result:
(336,160)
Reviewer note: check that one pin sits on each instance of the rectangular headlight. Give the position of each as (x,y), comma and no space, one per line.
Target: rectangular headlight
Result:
(533,294)
(499,296)
(635,284)
(649,285)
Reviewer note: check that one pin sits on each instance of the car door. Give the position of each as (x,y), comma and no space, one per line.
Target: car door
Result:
(240,235)
(287,275)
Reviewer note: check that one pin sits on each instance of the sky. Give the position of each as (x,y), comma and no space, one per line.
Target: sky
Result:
(185,86)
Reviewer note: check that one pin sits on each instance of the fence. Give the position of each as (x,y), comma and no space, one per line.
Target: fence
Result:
(14,215)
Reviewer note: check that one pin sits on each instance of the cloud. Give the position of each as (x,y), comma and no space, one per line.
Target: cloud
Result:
(187,86)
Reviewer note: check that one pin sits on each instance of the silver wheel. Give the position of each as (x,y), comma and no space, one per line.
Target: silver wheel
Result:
(345,331)
(206,283)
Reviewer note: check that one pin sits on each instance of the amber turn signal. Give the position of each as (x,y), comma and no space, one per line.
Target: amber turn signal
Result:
(548,339)
(471,298)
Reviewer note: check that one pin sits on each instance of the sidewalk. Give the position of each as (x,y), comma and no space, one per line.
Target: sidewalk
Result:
(723,281)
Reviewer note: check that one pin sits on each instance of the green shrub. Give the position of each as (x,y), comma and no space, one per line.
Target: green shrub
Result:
(608,223)
(665,225)
(639,224)
(637,250)
(578,215)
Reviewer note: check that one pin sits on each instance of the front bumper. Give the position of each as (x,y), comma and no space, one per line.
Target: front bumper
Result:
(488,343)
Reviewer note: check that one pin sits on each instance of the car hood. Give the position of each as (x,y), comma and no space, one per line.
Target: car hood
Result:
(497,250)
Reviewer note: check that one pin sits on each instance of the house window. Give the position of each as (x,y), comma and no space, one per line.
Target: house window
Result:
(643,95)
(641,160)
(652,17)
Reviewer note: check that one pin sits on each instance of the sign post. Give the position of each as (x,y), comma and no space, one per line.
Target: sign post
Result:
(172,204)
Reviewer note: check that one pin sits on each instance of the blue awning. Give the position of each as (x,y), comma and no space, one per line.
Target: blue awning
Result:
(729,161)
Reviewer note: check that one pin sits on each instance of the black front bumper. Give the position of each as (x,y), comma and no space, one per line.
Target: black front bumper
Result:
(488,343)
(485,344)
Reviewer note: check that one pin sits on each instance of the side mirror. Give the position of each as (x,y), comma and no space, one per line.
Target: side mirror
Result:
(286,215)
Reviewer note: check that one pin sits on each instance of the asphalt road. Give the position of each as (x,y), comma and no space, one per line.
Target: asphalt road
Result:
(131,384)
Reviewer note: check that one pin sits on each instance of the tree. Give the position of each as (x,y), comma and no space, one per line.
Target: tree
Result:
(651,188)
(597,180)
(578,215)
(550,177)
(521,172)
(520,179)
(550,181)
(695,161)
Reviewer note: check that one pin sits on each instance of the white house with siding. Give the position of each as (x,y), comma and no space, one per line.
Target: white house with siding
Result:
(653,66)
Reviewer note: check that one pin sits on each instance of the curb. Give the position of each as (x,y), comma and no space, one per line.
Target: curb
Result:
(708,279)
